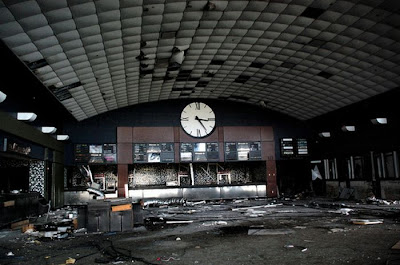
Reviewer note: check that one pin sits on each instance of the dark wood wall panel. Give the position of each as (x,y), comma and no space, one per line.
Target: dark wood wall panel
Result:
(267,151)
(153,134)
(125,153)
(221,134)
(184,138)
(267,133)
(221,151)
(241,133)
(177,152)
(124,134)
(122,179)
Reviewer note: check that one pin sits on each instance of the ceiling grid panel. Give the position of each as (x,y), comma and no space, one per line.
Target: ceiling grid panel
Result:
(108,13)
(131,22)
(86,30)
(300,57)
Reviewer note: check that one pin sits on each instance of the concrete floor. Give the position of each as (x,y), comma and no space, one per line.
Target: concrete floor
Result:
(242,232)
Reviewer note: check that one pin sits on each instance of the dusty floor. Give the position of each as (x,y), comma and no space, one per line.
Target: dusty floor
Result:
(288,232)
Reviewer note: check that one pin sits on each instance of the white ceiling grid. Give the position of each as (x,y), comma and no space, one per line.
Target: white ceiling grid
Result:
(303,58)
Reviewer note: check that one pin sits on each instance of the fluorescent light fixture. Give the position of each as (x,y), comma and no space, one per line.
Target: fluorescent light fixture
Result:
(2,96)
(49,129)
(325,134)
(26,116)
(347,128)
(379,121)
(62,137)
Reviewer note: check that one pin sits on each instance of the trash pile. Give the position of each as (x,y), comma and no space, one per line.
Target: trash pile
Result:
(59,224)
(373,200)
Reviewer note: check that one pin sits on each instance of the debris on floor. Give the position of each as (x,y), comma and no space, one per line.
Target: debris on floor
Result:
(302,249)
(269,232)
(366,221)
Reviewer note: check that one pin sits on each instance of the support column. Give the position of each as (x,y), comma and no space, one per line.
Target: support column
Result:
(122,179)
(271,178)
(124,145)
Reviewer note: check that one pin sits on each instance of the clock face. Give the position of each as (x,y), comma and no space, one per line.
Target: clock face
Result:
(198,119)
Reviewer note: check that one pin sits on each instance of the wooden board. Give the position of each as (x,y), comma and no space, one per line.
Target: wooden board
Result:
(396,246)
(9,203)
(19,224)
(122,207)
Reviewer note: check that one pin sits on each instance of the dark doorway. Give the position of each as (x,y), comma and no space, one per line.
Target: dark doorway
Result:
(293,176)
(14,178)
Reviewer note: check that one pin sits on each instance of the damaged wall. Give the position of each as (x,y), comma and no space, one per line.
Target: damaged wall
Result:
(204,174)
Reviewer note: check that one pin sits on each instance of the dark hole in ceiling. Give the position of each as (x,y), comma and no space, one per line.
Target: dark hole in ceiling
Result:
(146,72)
(325,74)
(202,83)
(208,74)
(267,80)
(217,62)
(242,79)
(256,65)
(193,78)
(70,86)
(312,12)
(174,66)
(288,65)
(37,64)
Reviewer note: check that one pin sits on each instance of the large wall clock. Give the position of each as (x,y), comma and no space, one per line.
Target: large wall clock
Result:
(198,119)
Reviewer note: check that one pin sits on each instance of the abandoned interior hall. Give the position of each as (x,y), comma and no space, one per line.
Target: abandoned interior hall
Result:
(199,132)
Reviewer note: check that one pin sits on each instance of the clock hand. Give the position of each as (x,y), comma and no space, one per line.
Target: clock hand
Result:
(199,120)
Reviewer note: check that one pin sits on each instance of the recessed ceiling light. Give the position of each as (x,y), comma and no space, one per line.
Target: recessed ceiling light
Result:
(379,121)
(26,116)
(347,128)
(49,129)
(2,96)
(62,137)
(325,134)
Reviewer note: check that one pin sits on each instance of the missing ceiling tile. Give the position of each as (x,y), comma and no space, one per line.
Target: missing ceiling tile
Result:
(37,64)
(193,78)
(208,74)
(267,80)
(288,65)
(256,65)
(146,72)
(173,66)
(209,6)
(312,12)
(62,94)
(242,79)
(325,74)
(202,83)
(70,86)
(239,98)
(158,78)
(217,62)
(142,56)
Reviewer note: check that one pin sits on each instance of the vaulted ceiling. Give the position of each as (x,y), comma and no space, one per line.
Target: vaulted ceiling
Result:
(303,58)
